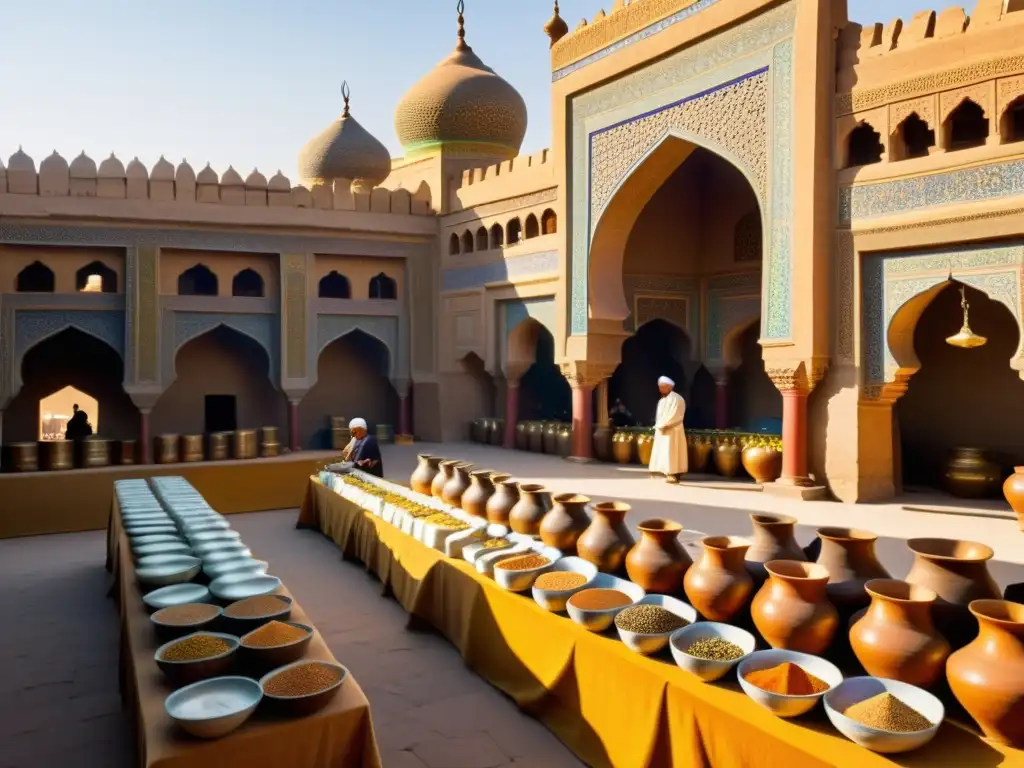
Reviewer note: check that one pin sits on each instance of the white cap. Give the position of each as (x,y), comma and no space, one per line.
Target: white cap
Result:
(357,424)
(666,381)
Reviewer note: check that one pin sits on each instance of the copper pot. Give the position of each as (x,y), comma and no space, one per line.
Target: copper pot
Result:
(269,450)
(622,447)
(220,446)
(522,436)
(551,438)
(478,430)
(535,435)
(849,557)
(603,443)
(644,447)
(969,474)
(792,610)
(506,495)
(191,448)
(165,448)
(446,473)
(658,561)
(25,457)
(727,458)
(773,540)
(496,435)
(698,451)
(126,452)
(607,540)
(1013,490)
(718,584)
(95,452)
(534,502)
(762,462)
(425,472)
(269,435)
(562,527)
(245,444)
(474,500)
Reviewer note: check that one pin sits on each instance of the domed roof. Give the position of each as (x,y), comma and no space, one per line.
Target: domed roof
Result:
(345,150)
(83,167)
(111,168)
(462,101)
(136,170)
(207,176)
(20,161)
(231,178)
(163,170)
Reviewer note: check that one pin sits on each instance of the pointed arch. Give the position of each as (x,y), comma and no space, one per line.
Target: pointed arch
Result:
(548,222)
(247,283)
(108,277)
(467,242)
(514,232)
(912,138)
(532,228)
(864,146)
(198,280)
(453,245)
(188,332)
(966,126)
(497,236)
(334,285)
(1011,122)
(36,278)
(481,239)
(383,287)
(326,339)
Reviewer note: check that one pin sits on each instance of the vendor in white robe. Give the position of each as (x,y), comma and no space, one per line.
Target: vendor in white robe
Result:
(668,456)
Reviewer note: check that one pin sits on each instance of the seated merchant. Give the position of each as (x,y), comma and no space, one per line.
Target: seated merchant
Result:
(363,450)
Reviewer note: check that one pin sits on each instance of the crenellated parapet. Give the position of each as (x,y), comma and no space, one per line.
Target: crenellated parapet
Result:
(165,183)
(518,176)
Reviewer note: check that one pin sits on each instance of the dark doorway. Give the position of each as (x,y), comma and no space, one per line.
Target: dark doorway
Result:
(221,413)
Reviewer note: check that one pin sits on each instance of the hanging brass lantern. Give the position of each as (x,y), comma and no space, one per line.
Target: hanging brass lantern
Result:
(966,338)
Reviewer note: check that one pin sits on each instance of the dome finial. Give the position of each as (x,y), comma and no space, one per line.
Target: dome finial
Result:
(345,94)
(461,7)
(556,28)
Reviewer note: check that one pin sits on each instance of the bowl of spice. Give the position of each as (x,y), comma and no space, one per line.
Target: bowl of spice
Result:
(303,687)
(787,683)
(597,606)
(179,620)
(517,573)
(245,615)
(882,715)
(709,649)
(196,657)
(560,582)
(213,708)
(646,626)
(274,644)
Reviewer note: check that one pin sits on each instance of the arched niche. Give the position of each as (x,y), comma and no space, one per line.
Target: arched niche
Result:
(383,287)
(514,231)
(57,408)
(912,138)
(532,227)
(549,222)
(497,236)
(453,245)
(467,242)
(864,146)
(966,126)
(334,285)
(1011,122)
(479,394)
(184,327)
(384,329)
(35,278)
(754,404)
(481,239)
(657,348)
(198,280)
(107,276)
(543,391)
(247,283)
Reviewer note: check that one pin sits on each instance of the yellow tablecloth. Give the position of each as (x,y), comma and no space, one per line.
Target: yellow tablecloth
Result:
(609,705)
(339,736)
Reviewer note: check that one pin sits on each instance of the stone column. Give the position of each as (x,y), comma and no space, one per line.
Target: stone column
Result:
(582,419)
(602,404)
(796,386)
(511,411)
(293,426)
(145,443)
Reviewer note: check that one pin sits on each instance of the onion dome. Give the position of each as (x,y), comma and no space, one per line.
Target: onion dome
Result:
(136,170)
(279,183)
(162,170)
(345,150)
(54,164)
(556,28)
(231,178)
(207,176)
(111,168)
(255,180)
(83,167)
(184,173)
(20,161)
(462,103)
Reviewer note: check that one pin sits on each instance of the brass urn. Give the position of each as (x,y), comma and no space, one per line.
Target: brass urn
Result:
(191,448)
(522,438)
(762,460)
(165,449)
(727,456)
(220,446)
(622,447)
(535,436)
(25,457)
(644,447)
(551,430)
(564,440)
(970,474)
(699,450)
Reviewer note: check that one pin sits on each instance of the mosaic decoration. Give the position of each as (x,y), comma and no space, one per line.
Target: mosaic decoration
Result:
(385,329)
(779,264)
(725,314)
(147,313)
(32,326)
(672,309)
(509,270)
(985,182)
(295,313)
(260,328)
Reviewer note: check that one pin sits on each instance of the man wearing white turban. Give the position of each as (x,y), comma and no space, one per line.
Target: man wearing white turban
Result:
(363,450)
(668,456)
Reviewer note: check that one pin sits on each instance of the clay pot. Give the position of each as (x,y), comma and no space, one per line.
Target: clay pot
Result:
(551,438)
(763,462)
(701,455)
(526,516)
(727,458)
(478,430)
(658,561)
(565,523)
(607,540)
(425,472)
(506,494)
(603,443)
(458,484)
(970,474)
(987,676)
(563,442)
(522,438)
(622,447)
(718,584)
(535,436)
(497,436)
(773,540)
(1013,490)
(446,471)
(895,638)
(792,610)
(474,500)
(644,447)
(956,571)
(849,557)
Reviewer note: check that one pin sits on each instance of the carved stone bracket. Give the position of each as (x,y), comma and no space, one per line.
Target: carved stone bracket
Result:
(801,376)
(580,373)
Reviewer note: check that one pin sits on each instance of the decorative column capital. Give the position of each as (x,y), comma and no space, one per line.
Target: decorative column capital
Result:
(802,376)
(583,375)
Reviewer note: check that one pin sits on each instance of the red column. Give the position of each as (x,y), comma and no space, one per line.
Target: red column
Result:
(145,444)
(403,415)
(511,412)
(293,425)
(794,437)
(582,421)
(721,405)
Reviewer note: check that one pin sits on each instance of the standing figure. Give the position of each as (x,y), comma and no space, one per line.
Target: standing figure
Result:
(620,415)
(668,456)
(78,426)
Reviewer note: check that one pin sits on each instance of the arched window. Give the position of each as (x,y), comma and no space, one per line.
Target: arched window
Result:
(453,245)
(334,285)
(97,269)
(966,126)
(467,242)
(197,281)
(247,283)
(1011,126)
(515,232)
(481,239)
(864,146)
(549,222)
(532,226)
(914,138)
(36,278)
(383,287)
(497,236)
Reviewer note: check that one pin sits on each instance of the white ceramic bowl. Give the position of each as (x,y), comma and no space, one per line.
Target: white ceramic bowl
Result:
(780,704)
(176,594)
(209,537)
(240,586)
(520,581)
(554,599)
(600,620)
(709,670)
(161,548)
(160,570)
(652,643)
(214,549)
(149,530)
(234,565)
(156,538)
(213,708)
(484,562)
(857,689)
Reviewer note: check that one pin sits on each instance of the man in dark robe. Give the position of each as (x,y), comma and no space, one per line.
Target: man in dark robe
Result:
(363,451)
(78,427)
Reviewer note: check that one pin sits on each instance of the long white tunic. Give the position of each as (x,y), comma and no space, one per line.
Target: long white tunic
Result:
(668,456)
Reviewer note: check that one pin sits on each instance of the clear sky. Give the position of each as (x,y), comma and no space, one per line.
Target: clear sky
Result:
(248,82)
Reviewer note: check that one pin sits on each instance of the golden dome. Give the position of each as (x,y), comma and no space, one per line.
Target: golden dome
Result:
(556,28)
(462,102)
(345,150)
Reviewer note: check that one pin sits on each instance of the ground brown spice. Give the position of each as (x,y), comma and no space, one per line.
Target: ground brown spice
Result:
(183,615)
(302,680)
(599,599)
(196,648)
(787,679)
(274,634)
(523,563)
(560,580)
(254,607)
(888,713)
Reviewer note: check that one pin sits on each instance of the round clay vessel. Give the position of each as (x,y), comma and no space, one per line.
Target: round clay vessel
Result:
(497,434)
(522,438)
(534,502)
(987,676)
(1013,490)
(658,561)
(622,447)
(550,441)
(792,611)
(727,458)
(644,448)
(603,443)
(607,540)
(474,500)
(895,637)
(970,474)
(762,462)
(699,453)
(458,484)
(773,540)
(849,557)
(535,436)
(565,523)
(446,470)
(426,470)
(718,584)
(506,494)
(564,441)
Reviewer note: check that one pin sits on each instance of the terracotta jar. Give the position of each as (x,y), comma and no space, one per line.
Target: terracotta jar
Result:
(474,500)
(603,443)
(727,457)
(506,494)
(763,461)
(792,610)
(1013,490)
(607,540)
(446,470)
(565,523)
(644,448)
(522,438)
(658,561)
(718,584)
(622,447)
(895,637)
(550,440)
(535,436)
(987,676)
(534,502)
(497,433)
(425,472)
(773,540)
(458,484)
(699,451)
(849,557)
(970,474)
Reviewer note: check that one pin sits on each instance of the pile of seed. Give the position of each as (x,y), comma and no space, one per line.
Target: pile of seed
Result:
(255,607)
(497,543)
(446,521)
(558,581)
(302,680)
(648,620)
(714,649)
(887,713)
(523,563)
(183,615)
(195,648)
(274,634)
(599,599)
